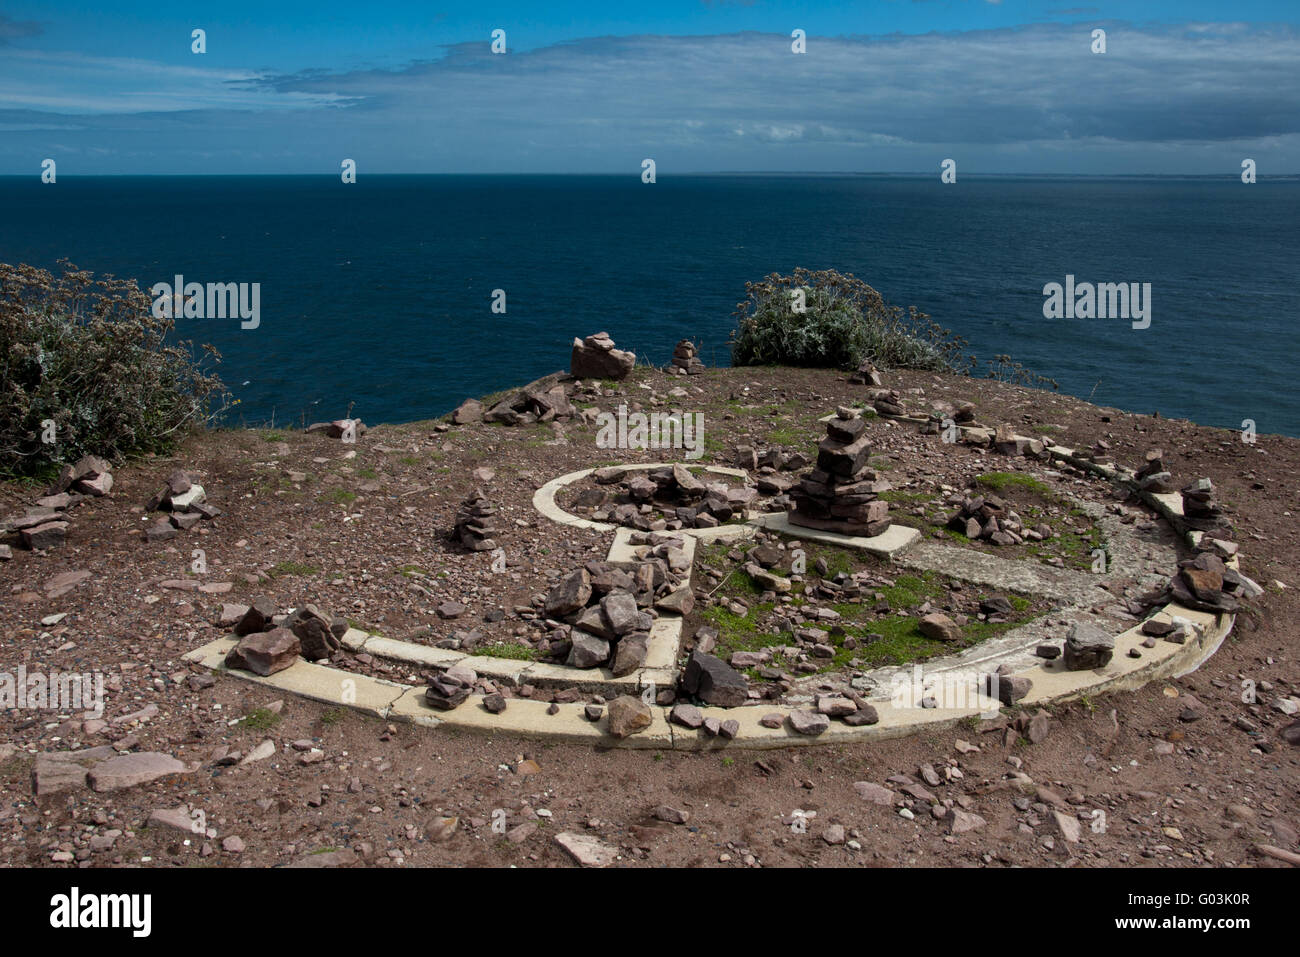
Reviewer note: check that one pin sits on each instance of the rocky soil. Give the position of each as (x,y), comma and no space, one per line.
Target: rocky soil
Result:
(183,768)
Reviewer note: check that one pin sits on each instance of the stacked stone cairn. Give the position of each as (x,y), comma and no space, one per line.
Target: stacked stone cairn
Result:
(841,494)
(185,500)
(887,401)
(596,358)
(1153,476)
(46,524)
(1200,511)
(472,518)
(686,360)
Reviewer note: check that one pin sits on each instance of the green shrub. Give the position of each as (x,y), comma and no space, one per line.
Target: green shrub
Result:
(89,355)
(845,323)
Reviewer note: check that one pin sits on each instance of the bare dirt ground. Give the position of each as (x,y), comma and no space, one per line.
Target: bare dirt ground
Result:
(368,537)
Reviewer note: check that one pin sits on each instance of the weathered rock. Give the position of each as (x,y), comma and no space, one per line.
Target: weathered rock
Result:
(962,822)
(939,627)
(587,650)
(875,793)
(686,715)
(1087,647)
(630,654)
(257,618)
(714,682)
(265,653)
(587,850)
(569,595)
(129,770)
(314,631)
(448,690)
(469,412)
(628,715)
(47,535)
(809,722)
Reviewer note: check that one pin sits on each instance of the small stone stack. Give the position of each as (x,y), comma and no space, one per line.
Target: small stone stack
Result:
(185,500)
(1200,511)
(887,402)
(596,358)
(450,688)
(841,494)
(1152,476)
(472,523)
(685,359)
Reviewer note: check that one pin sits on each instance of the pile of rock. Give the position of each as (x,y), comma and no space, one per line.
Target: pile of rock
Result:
(768,466)
(450,688)
(887,401)
(596,358)
(1200,511)
(270,642)
(842,494)
(353,429)
(686,360)
(684,500)
(186,502)
(46,524)
(1206,583)
(472,528)
(607,610)
(544,400)
(987,518)
(1153,476)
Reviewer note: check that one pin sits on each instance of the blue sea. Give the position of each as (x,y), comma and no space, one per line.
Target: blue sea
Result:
(377,296)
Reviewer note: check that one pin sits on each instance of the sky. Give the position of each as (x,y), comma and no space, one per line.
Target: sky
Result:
(1013,87)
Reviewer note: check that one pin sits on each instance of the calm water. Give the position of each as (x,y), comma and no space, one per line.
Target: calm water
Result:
(379,293)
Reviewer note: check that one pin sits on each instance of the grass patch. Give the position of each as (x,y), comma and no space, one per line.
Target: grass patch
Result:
(509,649)
(1000,481)
(261,719)
(339,496)
(281,569)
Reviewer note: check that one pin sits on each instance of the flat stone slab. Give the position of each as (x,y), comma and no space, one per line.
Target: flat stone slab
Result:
(129,770)
(889,543)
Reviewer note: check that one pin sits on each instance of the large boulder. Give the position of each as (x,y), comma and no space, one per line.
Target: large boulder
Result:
(596,358)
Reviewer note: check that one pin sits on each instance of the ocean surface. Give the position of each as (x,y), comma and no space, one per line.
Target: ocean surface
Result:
(376,296)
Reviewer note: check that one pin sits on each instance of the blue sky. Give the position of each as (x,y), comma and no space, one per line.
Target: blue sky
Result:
(709,85)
